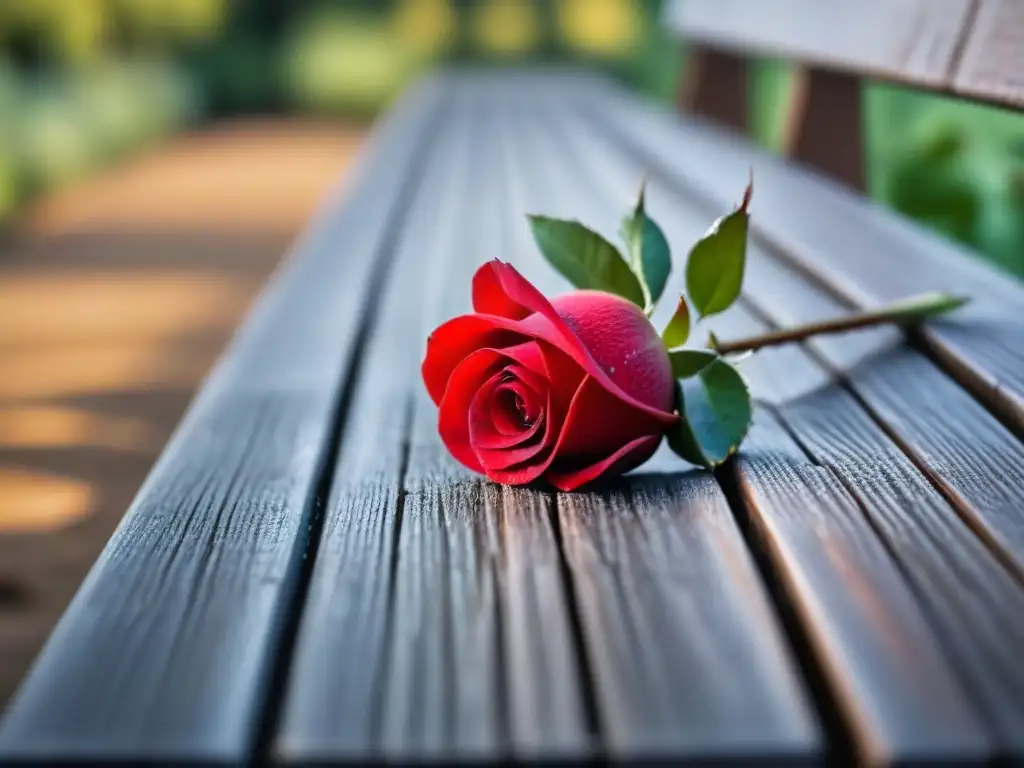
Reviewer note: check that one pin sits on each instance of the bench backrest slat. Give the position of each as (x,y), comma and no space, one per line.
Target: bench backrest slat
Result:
(992,65)
(912,41)
(968,48)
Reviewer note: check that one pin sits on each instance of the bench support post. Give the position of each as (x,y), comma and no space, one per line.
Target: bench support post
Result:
(714,85)
(823,128)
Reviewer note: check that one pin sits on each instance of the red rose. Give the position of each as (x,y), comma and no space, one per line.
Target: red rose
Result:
(564,390)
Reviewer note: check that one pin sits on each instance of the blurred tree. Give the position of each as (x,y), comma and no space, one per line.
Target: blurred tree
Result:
(506,28)
(10,172)
(427,28)
(55,149)
(77,30)
(1003,233)
(604,28)
(341,62)
(931,180)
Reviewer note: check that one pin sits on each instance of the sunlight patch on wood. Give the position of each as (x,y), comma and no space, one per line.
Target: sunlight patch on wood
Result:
(37,503)
(55,427)
(252,177)
(42,307)
(84,370)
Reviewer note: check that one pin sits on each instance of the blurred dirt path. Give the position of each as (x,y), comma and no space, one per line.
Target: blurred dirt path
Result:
(115,299)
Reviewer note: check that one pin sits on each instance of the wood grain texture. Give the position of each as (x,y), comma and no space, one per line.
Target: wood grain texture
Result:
(893,684)
(686,656)
(437,625)
(974,460)
(912,41)
(971,602)
(862,564)
(992,64)
(166,651)
(958,584)
(862,253)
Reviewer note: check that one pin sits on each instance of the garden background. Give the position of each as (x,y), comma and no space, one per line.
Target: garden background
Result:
(84,83)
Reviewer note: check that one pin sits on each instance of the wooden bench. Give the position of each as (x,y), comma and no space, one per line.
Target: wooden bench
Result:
(308,578)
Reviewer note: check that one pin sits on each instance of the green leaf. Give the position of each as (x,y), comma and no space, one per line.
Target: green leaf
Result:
(923,305)
(585,258)
(649,254)
(678,329)
(735,357)
(690,362)
(714,269)
(716,410)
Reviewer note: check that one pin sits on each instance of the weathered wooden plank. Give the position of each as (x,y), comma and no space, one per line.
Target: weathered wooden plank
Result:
(992,64)
(973,603)
(893,685)
(448,689)
(686,656)
(962,449)
(864,254)
(960,586)
(912,41)
(437,624)
(340,653)
(977,606)
(167,651)
(974,460)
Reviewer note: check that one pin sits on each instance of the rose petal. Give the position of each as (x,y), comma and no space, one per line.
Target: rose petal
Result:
(453,416)
(545,323)
(490,299)
(598,423)
(501,420)
(563,373)
(456,339)
(629,456)
(485,430)
(585,434)
(524,398)
(557,422)
(498,459)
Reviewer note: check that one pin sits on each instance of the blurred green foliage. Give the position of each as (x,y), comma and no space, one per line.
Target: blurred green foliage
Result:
(954,166)
(82,82)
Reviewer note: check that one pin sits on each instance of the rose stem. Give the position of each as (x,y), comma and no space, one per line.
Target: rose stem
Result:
(902,312)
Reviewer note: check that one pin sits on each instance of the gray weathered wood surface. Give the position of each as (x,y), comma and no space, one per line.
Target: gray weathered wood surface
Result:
(308,576)
(992,64)
(912,41)
(970,48)
(855,465)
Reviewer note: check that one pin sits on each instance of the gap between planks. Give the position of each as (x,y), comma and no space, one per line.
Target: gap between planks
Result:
(307,543)
(944,362)
(806,743)
(811,458)
(963,509)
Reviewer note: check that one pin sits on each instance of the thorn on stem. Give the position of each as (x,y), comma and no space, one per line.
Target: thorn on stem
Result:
(748,192)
